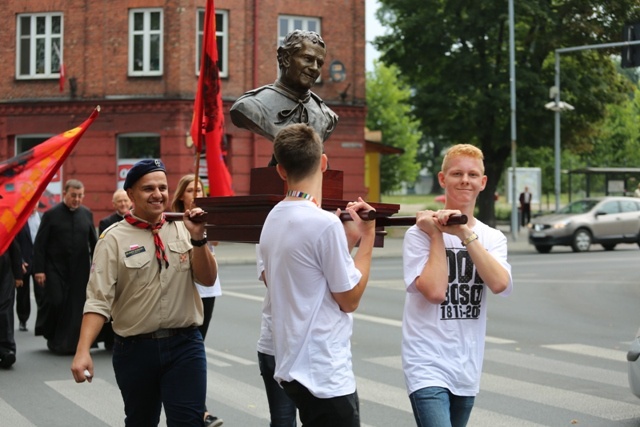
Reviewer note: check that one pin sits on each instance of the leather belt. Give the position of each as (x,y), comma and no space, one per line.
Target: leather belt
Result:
(163,333)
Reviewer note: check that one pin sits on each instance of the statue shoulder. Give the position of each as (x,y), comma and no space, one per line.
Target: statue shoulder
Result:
(257,92)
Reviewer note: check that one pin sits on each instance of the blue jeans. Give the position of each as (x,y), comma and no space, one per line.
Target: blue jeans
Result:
(168,371)
(282,409)
(438,407)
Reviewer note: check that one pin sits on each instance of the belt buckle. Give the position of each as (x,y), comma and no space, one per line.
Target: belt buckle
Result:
(163,333)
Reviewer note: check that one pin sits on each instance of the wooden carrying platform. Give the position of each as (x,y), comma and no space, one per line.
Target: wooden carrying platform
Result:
(240,218)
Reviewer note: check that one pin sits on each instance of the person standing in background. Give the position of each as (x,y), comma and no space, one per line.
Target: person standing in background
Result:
(182,200)
(61,261)
(525,207)
(26,238)
(282,410)
(122,205)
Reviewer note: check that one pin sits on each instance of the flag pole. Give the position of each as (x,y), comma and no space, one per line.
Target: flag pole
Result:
(195,181)
(198,145)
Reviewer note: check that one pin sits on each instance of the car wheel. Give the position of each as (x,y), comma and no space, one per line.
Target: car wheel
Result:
(543,249)
(581,240)
(609,246)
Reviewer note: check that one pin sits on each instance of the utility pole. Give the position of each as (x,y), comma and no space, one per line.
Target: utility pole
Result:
(558,106)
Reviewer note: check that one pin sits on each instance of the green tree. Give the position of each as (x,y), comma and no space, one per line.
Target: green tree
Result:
(617,142)
(455,56)
(389,111)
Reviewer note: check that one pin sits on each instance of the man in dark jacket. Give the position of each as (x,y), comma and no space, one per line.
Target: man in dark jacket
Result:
(25,238)
(122,205)
(62,260)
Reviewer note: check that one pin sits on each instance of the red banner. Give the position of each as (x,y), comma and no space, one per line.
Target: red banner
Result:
(208,117)
(24,178)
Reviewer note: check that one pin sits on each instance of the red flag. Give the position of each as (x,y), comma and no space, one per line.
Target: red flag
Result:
(24,178)
(62,70)
(208,117)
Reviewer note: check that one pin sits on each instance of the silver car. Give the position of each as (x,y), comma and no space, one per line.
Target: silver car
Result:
(634,365)
(607,221)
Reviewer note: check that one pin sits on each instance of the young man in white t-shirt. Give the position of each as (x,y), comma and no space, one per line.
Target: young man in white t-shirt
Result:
(314,284)
(447,270)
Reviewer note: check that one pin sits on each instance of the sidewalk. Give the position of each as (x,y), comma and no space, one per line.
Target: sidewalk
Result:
(245,253)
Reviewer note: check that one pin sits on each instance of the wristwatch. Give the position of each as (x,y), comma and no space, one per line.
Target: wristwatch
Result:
(199,243)
(469,239)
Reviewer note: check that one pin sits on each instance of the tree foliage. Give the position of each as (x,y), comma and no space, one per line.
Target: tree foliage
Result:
(389,111)
(455,56)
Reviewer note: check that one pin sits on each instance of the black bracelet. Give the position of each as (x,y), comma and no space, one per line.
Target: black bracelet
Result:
(199,243)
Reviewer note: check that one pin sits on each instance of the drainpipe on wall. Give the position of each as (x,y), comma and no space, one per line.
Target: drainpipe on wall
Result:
(254,143)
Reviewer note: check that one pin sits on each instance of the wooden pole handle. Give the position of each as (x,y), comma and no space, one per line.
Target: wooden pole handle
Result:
(384,221)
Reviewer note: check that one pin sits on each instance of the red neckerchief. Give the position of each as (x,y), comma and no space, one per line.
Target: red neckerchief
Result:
(155,230)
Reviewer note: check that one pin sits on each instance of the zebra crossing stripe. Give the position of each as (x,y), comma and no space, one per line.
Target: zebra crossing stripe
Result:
(589,350)
(231,357)
(99,398)
(237,394)
(550,366)
(564,399)
(484,418)
(13,418)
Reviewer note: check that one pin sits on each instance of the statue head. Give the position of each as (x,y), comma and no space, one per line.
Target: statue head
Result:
(300,59)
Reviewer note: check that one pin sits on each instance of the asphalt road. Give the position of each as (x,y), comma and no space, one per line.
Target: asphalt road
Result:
(555,353)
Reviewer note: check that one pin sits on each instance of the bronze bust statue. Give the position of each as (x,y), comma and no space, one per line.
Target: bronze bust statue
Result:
(267,109)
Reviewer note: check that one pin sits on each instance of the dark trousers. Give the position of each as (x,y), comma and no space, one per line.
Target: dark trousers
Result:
(23,298)
(7,296)
(169,372)
(207,303)
(525,214)
(341,411)
(281,407)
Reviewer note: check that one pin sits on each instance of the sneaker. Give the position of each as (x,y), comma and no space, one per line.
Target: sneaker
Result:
(8,358)
(211,421)
(23,326)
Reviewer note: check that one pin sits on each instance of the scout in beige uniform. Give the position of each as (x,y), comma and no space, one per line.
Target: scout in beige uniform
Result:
(143,278)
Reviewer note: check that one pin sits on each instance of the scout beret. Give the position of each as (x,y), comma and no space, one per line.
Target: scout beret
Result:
(142,168)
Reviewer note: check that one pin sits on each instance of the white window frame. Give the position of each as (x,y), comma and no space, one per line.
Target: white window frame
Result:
(146,34)
(123,164)
(49,47)
(297,23)
(221,34)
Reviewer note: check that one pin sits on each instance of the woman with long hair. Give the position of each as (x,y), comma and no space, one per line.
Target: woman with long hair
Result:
(182,200)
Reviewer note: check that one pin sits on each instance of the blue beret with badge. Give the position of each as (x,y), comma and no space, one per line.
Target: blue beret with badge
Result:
(142,168)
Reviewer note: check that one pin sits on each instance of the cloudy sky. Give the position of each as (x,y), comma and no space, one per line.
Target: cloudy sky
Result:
(373,29)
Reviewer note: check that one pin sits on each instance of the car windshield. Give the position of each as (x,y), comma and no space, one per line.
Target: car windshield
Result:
(579,207)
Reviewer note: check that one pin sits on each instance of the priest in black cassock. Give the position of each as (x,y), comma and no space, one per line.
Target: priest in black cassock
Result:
(62,259)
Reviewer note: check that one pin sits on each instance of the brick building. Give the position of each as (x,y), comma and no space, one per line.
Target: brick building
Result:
(138,60)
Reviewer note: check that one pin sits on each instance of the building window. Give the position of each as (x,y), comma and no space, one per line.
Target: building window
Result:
(39,49)
(287,23)
(139,146)
(222,40)
(133,147)
(145,42)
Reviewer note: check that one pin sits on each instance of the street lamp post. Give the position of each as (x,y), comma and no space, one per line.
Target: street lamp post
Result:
(558,106)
